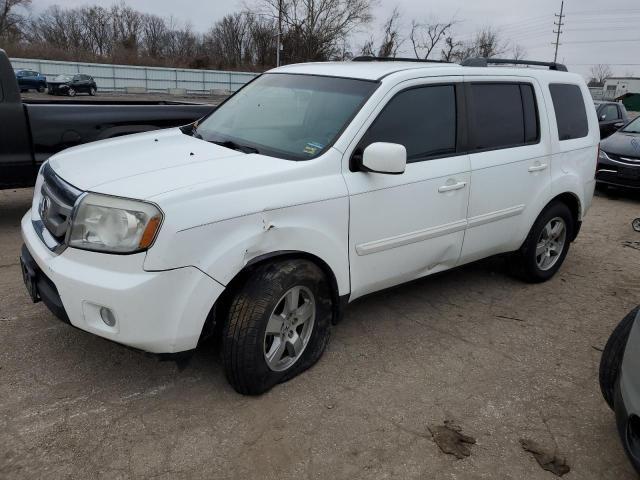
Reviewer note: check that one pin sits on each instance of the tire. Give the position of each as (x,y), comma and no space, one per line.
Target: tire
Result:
(245,341)
(611,359)
(71,92)
(41,89)
(92,92)
(525,262)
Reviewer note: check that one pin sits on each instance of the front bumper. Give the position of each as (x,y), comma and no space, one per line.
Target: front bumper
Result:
(627,397)
(159,312)
(618,173)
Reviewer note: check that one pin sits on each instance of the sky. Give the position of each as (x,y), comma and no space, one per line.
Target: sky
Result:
(594,32)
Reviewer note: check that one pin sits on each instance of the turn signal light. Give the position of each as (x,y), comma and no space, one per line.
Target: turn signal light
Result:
(150,232)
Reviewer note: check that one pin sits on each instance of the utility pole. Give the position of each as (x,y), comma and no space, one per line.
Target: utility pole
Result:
(279,33)
(559,24)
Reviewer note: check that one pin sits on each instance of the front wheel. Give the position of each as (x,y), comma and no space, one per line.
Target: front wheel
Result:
(278,325)
(71,92)
(547,244)
(41,89)
(92,91)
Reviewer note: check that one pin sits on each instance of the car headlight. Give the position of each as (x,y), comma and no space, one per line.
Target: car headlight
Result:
(602,155)
(115,225)
(37,194)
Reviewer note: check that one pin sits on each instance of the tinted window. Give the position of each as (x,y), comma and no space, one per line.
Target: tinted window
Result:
(422,119)
(609,112)
(530,111)
(571,116)
(502,115)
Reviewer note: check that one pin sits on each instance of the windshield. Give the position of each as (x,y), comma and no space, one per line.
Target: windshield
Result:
(289,116)
(633,127)
(62,78)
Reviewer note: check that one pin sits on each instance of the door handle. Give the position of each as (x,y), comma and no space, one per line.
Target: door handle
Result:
(537,168)
(455,186)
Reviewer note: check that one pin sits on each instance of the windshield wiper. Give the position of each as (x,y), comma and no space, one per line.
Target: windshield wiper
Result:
(236,146)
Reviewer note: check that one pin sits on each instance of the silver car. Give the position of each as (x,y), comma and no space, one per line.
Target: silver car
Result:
(620,381)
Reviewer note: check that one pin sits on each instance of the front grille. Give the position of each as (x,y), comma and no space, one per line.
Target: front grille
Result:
(55,208)
(624,158)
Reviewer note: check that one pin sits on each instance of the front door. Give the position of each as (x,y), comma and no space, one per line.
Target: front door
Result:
(406,226)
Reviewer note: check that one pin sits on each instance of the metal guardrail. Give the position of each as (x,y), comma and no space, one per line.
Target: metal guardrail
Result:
(119,78)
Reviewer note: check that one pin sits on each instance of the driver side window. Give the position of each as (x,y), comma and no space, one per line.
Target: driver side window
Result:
(423,119)
(610,113)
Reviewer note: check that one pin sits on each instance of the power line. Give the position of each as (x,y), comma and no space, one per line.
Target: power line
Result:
(559,31)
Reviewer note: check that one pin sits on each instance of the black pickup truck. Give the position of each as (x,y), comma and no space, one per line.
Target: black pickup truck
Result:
(30,132)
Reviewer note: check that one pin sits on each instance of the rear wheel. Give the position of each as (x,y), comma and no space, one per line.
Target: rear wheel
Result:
(611,359)
(547,244)
(278,325)
(71,92)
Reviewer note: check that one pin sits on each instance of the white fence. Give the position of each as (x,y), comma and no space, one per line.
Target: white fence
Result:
(150,79)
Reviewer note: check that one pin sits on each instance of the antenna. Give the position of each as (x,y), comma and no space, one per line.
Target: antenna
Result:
(559,24)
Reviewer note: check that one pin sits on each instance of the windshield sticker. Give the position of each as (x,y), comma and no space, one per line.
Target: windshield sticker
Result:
(312,148)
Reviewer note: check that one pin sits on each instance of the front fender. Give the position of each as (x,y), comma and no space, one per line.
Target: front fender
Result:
(222,249)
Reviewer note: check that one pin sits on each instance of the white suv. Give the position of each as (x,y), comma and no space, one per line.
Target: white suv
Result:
(313,185)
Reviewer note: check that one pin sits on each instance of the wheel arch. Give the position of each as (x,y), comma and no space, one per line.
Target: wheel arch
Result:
(572,201)
(215,319)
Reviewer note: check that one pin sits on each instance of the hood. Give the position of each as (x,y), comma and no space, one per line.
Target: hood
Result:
(623,144)
(149,164)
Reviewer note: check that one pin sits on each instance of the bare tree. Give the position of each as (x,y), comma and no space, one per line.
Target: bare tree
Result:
(451,49)
(426,36)
(391,41)
(262,41)
(487,43)
(316,29)
(11,21)
(518,52)
(154,36)
(599,73)
(99,34)
(368,49)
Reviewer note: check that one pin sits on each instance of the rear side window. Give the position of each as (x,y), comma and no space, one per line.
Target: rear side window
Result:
(422,119)
(502,115)
(571,115)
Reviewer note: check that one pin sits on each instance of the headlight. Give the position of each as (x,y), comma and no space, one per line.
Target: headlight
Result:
(37,194)
(603,155)
(115,225)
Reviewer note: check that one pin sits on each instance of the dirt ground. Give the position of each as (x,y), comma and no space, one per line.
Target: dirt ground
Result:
(503,360)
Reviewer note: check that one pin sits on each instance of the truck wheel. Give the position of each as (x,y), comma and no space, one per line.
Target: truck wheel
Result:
(611,359)
(278,325)
(546,246)
(71,92)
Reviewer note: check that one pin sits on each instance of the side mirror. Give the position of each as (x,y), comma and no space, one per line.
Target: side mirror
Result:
(603,117)
(381,157)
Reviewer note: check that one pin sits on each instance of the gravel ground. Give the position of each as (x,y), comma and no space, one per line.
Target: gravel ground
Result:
(502,360)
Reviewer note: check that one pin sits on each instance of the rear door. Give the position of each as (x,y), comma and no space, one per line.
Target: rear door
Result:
(406,226)
(510,157)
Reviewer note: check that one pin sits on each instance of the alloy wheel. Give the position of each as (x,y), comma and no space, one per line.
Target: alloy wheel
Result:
(289,328)
(551,243)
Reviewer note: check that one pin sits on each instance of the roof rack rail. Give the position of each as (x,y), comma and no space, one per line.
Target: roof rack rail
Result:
(483,62)
(369,58)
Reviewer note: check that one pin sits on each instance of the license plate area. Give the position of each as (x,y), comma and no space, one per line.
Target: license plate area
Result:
(30,279)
